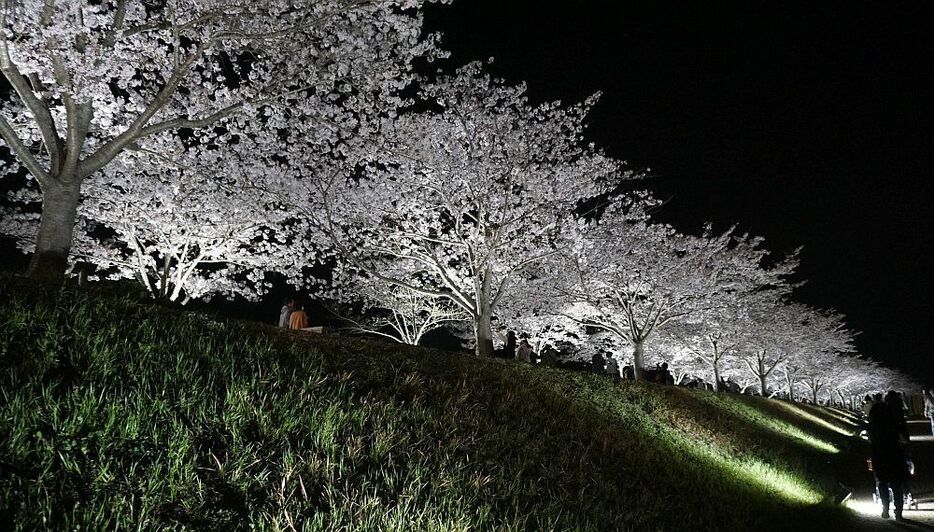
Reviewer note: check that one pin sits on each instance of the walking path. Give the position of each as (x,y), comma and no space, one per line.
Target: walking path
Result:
(922,487)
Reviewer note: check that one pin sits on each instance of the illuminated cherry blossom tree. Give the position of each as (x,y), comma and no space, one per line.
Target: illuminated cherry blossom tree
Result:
(878,379)
(813,351)
(184,228)
(855,376)
(94,80)
(773,331)
(822,363)
(632,277)
(467,195)
(532,310)
(713,335)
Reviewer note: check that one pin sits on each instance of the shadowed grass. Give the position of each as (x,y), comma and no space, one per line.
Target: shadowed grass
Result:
(118,414)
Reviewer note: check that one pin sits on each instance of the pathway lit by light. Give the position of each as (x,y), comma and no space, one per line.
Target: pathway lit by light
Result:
(864,506)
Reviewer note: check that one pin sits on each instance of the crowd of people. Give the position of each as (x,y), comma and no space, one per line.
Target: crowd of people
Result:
(609,365)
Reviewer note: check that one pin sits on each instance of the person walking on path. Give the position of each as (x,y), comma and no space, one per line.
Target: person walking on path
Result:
(929,407)
(298,319)
(889,457)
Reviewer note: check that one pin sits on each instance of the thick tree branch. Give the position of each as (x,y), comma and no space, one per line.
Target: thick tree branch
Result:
(22,153)
(38,108)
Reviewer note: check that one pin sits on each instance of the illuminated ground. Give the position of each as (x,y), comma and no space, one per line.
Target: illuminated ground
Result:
(922,487)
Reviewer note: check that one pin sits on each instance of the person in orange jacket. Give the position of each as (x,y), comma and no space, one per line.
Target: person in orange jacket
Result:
(298,319)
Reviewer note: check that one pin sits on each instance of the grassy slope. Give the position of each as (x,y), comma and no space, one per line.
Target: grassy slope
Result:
(116,413)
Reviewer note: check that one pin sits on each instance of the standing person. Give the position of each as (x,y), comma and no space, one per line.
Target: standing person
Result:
(298,319)
(896,405)
(509,347)
(596,363)
(867,404)
(629,372)
(524,352)
(889,460)
(288,305)
(929,407)
(549,356)
(612,367)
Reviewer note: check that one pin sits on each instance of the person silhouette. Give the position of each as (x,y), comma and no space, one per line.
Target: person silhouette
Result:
(888,452)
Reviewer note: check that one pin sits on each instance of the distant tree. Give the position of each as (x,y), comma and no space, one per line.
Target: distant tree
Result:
(789,372)
(774,331)
(684,362)
(467,195)
(714,335)
(633,278)
(826,341)
(532,309)
(547,331)
(854,378)
(92,81)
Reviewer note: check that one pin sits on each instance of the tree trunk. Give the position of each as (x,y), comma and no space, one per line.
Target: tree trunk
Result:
(638,354)
(483,329)
(842,398)
(484,334)
(716,377)
(763,385)
(789,389)
(56,229)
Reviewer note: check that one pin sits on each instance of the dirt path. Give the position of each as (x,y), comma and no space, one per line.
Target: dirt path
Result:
(922,488)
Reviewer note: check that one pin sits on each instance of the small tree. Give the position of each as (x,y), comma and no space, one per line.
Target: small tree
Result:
(403,314)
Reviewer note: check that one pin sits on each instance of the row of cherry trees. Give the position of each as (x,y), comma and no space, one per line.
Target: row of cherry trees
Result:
(208,146)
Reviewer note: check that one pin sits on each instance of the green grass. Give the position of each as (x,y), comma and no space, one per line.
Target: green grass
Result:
(117,414)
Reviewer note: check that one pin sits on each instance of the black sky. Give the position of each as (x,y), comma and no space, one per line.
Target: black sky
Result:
(808,123)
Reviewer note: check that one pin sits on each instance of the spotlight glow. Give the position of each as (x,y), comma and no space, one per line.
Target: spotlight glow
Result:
(816,419)
(863,506)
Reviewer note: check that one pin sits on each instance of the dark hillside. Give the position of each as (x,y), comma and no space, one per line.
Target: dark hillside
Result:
(116,413)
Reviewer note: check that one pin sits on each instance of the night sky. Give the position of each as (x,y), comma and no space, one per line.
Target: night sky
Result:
(808,123)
